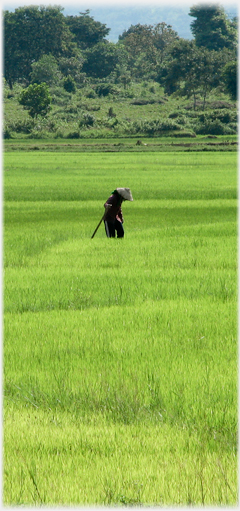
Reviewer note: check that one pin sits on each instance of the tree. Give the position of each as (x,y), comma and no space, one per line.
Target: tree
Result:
(102,59)
(212,29)
(87,32)
(192,71)
(229,75)
(163,37)
(72,66)
(125,79)
(36,99)
(45,70)
(146,46)
(175,65)
(141,52)
(30,33)
(202,74)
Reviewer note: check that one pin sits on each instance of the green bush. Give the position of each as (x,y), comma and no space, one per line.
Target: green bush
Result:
(169,125)
(23,125)
(91,108)
(210,127)
(74,134)
(104,89)
(156,126)
(173,115)
(7,133)
(230,77)
(185,134)
(36,134)
(36,99)
(224,115)
(87,120)
(91,94)
(71,109)
(59,133)
(152,89)
(143,102)
(58,94)
(69,84)
(233,126)
(45,70)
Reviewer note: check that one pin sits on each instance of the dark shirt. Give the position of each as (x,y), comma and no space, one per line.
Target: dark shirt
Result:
(115,211)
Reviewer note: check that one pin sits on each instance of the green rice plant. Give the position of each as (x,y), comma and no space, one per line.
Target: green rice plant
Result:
(120,356)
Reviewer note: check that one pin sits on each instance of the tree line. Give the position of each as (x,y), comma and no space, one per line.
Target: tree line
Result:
(41,44)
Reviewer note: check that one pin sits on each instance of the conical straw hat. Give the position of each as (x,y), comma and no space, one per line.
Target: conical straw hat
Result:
(125,193)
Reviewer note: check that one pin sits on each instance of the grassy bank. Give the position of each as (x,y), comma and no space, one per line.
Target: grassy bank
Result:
(141,111)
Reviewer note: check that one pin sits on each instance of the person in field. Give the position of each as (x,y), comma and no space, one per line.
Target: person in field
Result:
(113,219)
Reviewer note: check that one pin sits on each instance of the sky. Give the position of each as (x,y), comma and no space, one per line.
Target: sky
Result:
(7,4)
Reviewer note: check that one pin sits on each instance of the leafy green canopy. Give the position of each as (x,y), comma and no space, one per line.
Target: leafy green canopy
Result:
(87,32)
(36,99)
(146,47)
(102,59)
(30,33)
(212,28)
(190,70)
(43,45)
(229,75)
(45,70)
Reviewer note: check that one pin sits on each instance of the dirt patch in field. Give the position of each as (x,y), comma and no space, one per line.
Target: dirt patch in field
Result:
(204,144)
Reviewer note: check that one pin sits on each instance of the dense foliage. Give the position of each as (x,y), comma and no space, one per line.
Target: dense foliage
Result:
(30,33)
(212,29)
(143,50)
(230,78)
(71,55)
(87,32)
(36,99)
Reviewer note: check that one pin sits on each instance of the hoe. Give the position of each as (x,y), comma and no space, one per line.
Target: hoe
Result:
(98,225)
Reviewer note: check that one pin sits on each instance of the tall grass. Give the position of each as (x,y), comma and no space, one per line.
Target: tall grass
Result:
(120,356)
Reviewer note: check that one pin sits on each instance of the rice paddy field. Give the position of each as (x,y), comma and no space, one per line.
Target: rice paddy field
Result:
(120,355)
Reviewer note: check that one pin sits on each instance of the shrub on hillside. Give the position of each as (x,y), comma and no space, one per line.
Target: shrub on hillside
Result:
(230,78)
(147,101)
(104,89)
(180,118)
(156,126)
(152,89)
(233,126)
(22,125)
(45,70)
(36,134)
(90,93)
(185,134)
(217,121)
(69,84)
(73,134)
(91,108)
(173,115)
(212,127)
(111,112)
(36,99)
(224,115)
(71,109)
(221,104)
(169,125)
(87,120)
(7,133)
